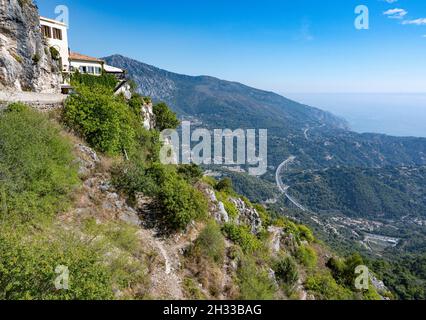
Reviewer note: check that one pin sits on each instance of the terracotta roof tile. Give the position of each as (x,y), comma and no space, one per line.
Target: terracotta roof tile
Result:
(82,57)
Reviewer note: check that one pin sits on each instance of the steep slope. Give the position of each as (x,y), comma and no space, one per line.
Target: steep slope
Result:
(316,138)
(77,216)
(25,61)
(374,195)
(212,100)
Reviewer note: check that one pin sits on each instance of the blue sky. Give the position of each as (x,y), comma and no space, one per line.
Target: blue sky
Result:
(285,46)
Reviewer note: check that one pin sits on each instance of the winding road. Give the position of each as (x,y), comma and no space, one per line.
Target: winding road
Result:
(283,187)
(305,131)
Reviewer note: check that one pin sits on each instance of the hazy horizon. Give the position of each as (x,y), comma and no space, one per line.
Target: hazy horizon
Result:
(397,114)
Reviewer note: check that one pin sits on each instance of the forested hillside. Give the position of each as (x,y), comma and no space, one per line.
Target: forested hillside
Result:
(386,193)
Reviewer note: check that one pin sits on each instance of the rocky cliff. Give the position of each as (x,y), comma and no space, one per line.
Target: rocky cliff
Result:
(25,61)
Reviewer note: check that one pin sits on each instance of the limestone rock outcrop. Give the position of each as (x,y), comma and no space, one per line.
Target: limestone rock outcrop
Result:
(248,216)
(148,116)
(25,60)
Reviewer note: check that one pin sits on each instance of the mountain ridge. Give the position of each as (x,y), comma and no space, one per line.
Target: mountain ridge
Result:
(165,85)
(317,138)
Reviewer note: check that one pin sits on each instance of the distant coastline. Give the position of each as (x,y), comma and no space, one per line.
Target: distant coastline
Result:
(397,114)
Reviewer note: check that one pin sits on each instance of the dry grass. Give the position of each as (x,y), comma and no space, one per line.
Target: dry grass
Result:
(207,274)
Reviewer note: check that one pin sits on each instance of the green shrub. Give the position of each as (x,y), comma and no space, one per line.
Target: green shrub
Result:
(135,103)
(286,271)
(164,117)
(371,294)
(352,262)
(17,107)
(254,282)
(307,256)
(127,268)
(225,185)
(288,226)
(147,149)
(37,174)
(103,120)
(301,232)
(108,81)
(243,237)
(324,287)
(343,270)
(27,268)
(132,178)
(127,272)
(230,208)
(123,236)
(190,172)
(54,53)
(210,244)
(264,215)
(210,181)
(337,267)
(17,58)
(305,233)
(193,290)
(36,58)
(180,202)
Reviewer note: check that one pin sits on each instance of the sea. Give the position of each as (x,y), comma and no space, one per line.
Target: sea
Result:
(396,114)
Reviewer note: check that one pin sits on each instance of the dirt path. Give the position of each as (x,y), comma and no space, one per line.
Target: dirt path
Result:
(41,101)
(99,199)
(167,274)
(32,97)
(166,281)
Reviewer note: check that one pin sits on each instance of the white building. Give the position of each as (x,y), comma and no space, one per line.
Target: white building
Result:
(119,73)
(56,35)
(85,64)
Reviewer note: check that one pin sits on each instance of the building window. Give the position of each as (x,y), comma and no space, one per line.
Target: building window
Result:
(98,70)
(46,31)
(91,70)
(83,69)
(57,34)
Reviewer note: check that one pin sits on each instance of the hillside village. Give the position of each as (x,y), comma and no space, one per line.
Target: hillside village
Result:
(82,186)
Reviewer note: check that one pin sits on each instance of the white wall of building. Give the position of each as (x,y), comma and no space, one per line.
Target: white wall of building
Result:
(61,45)
(76,64)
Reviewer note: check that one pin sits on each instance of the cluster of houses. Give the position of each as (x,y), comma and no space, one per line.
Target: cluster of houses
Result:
(56,34)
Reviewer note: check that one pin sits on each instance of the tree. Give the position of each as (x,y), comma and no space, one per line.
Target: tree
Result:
(180,202)
(224,185)
(164,117)
(103,120)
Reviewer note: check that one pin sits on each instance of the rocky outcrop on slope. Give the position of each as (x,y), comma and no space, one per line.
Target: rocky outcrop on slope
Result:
(248,216)
(25,60)
(148,116)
